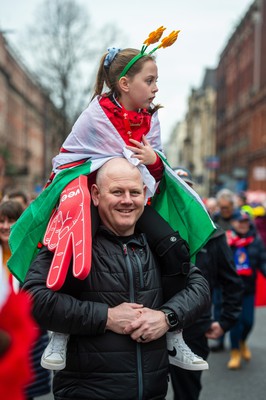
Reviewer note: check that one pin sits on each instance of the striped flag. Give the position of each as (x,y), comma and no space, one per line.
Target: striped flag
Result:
(183,209)
(92,142)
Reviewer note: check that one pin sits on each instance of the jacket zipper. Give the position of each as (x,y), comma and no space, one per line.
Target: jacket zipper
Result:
(132,299)
(140,270)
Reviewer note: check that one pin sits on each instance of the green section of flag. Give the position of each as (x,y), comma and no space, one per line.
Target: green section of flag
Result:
(178,205)
(183,210)
(29,229)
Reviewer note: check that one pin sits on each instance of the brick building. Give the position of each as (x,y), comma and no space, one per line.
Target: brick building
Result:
(192,143)
(28,125)
(241,103)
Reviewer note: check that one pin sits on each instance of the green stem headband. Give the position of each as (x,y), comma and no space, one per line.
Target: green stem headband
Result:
(154,37)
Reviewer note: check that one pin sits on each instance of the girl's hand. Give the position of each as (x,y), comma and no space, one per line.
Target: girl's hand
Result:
(143,151)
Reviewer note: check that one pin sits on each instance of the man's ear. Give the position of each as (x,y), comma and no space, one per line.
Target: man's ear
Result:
(145,190)
(123,84)
(95,194)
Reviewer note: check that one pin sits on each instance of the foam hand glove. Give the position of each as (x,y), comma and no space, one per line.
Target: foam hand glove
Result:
(68,234)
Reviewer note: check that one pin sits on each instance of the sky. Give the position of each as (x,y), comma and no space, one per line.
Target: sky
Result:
(205,25)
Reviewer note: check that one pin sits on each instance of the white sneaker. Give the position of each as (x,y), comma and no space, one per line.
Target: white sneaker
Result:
(54,356)
(181,355)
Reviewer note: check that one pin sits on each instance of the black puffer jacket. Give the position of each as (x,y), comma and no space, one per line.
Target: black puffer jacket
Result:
(102,364)
(215,260)
(256,252)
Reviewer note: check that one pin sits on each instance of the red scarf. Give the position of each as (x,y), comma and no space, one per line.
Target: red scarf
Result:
(237,241)
(137,123)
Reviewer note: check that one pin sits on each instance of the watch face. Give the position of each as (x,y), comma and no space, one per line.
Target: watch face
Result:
(172,319)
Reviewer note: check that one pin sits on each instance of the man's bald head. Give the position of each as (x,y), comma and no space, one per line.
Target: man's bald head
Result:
(115,165)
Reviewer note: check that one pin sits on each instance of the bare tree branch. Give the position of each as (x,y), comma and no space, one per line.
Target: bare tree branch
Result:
(66,51)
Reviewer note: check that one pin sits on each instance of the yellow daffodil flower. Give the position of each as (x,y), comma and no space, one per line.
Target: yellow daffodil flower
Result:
(154,36)
(169,40)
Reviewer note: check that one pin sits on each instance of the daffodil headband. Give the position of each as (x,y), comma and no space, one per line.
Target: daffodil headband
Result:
(154,37)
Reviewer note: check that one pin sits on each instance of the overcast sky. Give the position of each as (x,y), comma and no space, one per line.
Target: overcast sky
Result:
(206,26)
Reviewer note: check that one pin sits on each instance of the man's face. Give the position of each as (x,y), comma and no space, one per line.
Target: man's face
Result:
(226,208)
(120,197)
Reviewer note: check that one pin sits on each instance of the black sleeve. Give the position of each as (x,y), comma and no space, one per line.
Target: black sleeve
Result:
(192,301)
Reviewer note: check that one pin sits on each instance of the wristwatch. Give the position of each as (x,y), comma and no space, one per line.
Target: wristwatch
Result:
(170,317)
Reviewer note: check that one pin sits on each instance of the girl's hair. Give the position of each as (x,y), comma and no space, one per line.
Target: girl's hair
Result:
(11,209)
(108,77)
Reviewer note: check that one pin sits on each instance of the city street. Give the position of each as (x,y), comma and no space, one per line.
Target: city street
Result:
(219,383)
(248,383)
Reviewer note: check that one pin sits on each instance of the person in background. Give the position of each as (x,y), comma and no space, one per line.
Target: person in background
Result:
(18,331)
(211,205)
(216,263)
(249,254)
(242,203)
(259,214)
(10,211)
(223,217)
(17,195)
(116,317)
(226,208)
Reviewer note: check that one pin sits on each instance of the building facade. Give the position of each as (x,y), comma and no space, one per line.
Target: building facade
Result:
(241,104)
(174,148)
(28,125)
(192,143)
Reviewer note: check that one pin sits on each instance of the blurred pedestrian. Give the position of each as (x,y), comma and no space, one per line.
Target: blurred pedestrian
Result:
(226,209)
(211,205)
(250,256)
(18,331)
(17,195)
(216,263)
(10,211)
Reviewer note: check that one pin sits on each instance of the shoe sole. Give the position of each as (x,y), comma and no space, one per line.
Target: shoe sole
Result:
(54,367)
(234,368)
(246,358)
(190,367)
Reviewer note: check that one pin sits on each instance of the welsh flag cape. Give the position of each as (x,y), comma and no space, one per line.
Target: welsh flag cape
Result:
(92,142)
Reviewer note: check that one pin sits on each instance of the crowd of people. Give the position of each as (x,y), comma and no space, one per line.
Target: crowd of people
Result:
(244,224)
(117,298)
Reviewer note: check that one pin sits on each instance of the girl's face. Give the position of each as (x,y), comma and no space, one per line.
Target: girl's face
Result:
(5,224)
(140,90)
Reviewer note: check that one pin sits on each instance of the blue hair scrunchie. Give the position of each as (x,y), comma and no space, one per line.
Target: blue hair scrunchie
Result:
(112,52)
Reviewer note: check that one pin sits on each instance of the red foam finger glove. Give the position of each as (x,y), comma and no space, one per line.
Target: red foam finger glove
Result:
(68,234)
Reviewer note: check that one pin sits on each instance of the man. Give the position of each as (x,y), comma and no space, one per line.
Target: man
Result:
(216,263)
(223,217)
(226,208)
(116,317)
